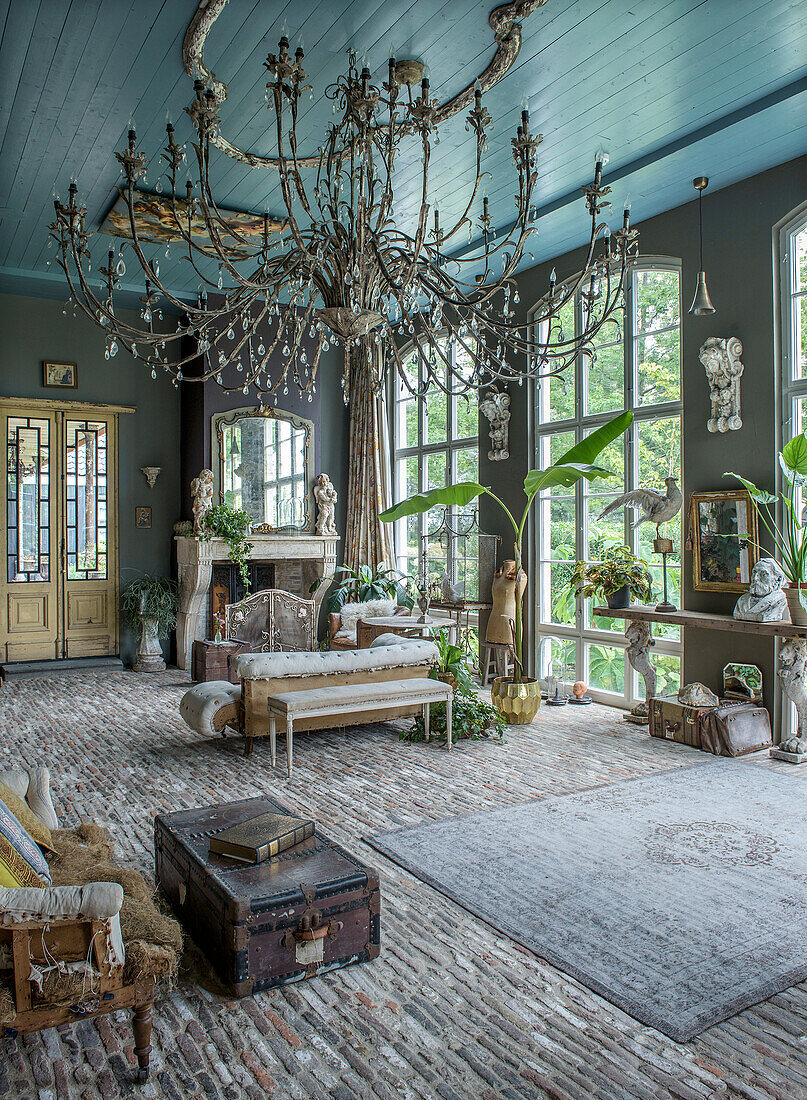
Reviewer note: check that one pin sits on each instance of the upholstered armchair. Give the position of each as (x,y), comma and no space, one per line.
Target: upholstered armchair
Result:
(342,625)
(91,941)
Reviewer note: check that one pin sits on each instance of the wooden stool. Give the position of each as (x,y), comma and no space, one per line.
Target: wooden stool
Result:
(500,656)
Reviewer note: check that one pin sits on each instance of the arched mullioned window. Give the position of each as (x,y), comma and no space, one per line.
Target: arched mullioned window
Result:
(638,367)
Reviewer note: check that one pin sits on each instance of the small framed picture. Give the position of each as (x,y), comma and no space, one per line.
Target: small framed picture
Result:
(724,540)
(62,375)
(142,518)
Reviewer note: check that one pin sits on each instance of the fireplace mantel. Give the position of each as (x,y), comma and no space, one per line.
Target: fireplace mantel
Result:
(195,559)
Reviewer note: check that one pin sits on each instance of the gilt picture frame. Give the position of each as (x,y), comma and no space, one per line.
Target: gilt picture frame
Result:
(723,528)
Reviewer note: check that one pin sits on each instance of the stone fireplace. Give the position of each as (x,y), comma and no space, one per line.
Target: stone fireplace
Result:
(293,562)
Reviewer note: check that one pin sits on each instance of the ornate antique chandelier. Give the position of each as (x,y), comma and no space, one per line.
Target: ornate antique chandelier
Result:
(342,270)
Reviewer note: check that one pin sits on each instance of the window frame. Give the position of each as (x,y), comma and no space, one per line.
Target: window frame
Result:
(580,424)
(450,447)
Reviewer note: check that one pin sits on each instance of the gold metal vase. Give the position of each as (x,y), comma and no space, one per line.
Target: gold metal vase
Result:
(517,703)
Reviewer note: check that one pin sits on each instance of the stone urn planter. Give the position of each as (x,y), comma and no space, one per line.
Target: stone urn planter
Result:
(150,606)
(149,653)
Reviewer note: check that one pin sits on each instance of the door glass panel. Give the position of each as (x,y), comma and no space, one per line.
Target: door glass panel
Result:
(28,498)
(86,489)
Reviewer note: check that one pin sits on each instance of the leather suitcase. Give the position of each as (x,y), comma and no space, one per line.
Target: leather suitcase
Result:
(674,721)
(213,660)
(314,907)
(734,729)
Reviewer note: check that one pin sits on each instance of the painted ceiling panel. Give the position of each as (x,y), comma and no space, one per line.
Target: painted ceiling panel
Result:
(671,88)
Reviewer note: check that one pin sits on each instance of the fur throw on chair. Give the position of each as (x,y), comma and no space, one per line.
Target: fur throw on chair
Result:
(352,612)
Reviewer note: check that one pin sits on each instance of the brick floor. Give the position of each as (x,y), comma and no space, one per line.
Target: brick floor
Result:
(451,1009)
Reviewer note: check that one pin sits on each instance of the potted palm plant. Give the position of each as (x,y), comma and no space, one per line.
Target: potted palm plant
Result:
(150,605)
(518,697)
(789,534)
(616,578)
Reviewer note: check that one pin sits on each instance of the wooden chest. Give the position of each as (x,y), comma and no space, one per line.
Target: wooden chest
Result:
(211,660)
(314,907)
(674,721)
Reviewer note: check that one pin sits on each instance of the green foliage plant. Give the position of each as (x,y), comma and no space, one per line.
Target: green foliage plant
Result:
(154,598)
(366,583)
(231,524)
(451,662)
(618,568)
(471,719)
(572,466)
(788,534)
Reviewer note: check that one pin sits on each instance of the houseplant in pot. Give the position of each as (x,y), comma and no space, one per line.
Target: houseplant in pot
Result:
(150,605)
(617,578)
(788,533)
(518,697)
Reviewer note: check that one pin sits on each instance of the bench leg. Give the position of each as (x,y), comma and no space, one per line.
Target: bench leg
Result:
(289,744)
(273,738)
(448,723)
(427,720)
(248,745)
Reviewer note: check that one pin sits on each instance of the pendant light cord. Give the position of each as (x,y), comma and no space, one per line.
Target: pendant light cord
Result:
(700,224)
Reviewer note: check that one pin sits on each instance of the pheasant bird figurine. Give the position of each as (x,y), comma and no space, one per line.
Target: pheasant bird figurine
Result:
(655,507)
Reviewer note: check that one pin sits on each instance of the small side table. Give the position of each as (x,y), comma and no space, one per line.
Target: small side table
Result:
(367,630)
(211,660)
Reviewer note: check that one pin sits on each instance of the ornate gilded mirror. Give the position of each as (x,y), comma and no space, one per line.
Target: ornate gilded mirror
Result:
(263,463)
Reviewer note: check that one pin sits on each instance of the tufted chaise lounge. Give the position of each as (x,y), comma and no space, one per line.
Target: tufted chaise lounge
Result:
(211,708)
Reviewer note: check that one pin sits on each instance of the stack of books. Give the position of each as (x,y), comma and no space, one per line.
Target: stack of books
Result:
(261,837)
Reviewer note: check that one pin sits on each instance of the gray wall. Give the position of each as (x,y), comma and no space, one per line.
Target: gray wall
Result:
(34,329)
(738,258)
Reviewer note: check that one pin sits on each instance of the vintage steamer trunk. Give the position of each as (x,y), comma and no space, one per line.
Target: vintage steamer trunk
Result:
(313,908)
(674,721)
(213,661)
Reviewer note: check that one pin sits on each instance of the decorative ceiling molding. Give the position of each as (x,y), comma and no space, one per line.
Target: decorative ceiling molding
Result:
(504,22)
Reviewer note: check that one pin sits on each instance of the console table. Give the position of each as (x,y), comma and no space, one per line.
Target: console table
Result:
(791,663)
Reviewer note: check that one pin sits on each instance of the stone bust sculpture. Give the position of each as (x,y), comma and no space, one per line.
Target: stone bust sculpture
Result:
(721,360)
(764,602)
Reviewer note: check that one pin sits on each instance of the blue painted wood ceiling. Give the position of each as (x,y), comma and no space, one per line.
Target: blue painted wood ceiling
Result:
(671,88)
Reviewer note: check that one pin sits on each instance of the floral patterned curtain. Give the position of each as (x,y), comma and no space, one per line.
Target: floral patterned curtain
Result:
(367,540)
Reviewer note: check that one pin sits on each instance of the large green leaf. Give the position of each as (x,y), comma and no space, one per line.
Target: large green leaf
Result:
(460,494)
(589,448)
(566,474)
(760,496)
(794,454)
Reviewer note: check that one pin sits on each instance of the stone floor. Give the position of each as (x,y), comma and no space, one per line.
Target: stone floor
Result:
(451,1009)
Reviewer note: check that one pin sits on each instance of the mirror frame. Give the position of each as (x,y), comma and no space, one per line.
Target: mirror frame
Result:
(225,419)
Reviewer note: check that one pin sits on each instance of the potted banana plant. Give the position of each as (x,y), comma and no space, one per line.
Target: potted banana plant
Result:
(518,697)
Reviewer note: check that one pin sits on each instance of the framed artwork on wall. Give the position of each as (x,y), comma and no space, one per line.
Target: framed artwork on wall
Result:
(143,518)
(723,527)
(60,375)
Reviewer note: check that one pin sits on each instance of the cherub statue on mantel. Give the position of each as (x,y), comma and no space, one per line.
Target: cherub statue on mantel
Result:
(202,494)
(326,498)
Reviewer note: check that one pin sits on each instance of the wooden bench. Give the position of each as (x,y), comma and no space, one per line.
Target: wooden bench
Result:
(387,698)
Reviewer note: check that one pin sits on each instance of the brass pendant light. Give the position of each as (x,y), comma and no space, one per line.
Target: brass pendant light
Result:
(701,303)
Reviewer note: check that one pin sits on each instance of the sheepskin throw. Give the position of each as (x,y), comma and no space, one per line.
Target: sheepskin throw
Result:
(352,612)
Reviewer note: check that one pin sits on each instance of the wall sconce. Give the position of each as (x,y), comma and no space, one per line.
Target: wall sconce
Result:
(150,474)
(701,303)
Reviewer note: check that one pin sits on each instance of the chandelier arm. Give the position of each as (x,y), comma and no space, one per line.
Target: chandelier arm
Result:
(503,21)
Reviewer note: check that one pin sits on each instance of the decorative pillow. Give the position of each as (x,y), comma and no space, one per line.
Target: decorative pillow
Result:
(32,785)
(352,612)
(26,817)
(21,861)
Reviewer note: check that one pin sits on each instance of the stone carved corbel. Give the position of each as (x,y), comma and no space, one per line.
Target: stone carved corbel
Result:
(639,638)
(721,360)
(792,671)
(495,406)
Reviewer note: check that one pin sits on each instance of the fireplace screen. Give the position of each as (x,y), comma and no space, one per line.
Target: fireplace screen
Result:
(272,621)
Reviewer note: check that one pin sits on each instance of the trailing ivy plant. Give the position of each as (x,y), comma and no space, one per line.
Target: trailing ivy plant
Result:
(472,719)
(231,524)
(154,598)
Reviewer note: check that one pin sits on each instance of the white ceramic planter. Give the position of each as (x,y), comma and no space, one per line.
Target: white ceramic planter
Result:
(798,616)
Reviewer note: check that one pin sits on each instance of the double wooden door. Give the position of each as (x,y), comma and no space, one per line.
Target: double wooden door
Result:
(59,587)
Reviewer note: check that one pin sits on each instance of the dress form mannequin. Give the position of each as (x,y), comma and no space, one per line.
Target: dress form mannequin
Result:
(503,594)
